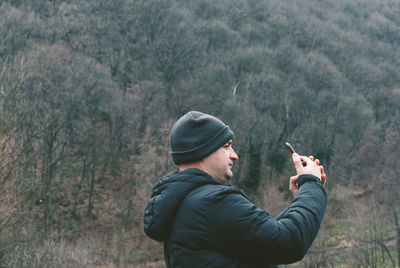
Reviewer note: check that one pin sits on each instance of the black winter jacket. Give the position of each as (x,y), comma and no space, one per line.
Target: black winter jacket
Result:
(204,223)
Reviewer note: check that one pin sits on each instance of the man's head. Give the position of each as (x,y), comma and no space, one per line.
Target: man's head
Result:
(203,141)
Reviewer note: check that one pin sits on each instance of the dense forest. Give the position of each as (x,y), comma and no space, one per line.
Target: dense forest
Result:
(89,91)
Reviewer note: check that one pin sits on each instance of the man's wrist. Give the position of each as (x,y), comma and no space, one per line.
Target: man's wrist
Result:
(308,178)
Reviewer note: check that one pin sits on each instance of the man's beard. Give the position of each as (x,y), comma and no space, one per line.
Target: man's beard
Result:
(228,175)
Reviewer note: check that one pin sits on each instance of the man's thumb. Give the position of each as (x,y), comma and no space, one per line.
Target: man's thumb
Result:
(297,163)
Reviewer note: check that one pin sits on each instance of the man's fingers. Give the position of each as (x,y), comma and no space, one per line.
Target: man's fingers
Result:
(323,175)
(323,178)
(293,181)
(308,165)
(297,163)
(293,187)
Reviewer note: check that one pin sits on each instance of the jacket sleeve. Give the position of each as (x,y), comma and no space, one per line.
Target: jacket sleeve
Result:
(255,235)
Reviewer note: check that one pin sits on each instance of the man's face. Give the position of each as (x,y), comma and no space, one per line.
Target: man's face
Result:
(219,164)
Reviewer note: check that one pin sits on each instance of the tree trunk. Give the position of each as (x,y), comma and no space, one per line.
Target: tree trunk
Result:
(48,174)
(396,223)
(91,190)
(76,192)
(131,194)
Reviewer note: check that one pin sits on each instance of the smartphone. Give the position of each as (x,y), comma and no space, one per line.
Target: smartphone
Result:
(289,149)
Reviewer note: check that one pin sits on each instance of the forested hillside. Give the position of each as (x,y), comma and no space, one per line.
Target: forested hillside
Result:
(90,89)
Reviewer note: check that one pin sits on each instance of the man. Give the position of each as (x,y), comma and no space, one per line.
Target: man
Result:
(205,223)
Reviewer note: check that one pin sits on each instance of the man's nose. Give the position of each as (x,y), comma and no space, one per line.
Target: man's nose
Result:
(233,155)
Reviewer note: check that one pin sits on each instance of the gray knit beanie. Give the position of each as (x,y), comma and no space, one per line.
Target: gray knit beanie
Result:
(196,135)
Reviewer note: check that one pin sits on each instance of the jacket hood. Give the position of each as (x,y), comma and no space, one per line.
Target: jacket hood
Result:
(166,198)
